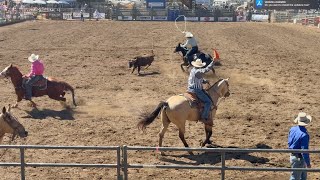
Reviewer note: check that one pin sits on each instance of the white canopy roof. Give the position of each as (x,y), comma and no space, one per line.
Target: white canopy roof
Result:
(52,2)
(39,2)
(27,1)
(63,2)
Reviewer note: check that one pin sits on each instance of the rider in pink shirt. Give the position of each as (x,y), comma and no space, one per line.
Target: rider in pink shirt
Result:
(36,73)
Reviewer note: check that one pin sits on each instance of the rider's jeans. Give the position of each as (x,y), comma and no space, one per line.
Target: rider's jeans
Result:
(29,84)
(190,52)
(206,100)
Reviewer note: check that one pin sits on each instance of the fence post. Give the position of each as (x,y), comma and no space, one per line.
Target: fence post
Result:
(223,164)
(118,163)
(125,162)
(22,163)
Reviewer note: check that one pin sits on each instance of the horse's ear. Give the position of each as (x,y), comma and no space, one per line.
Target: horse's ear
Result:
(4,110)
(227,79)
(10,66)
(9,109)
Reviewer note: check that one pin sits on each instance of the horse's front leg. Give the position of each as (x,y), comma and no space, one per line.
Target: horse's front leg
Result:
(208,131)
(32,104)
(19,98)
(181,65)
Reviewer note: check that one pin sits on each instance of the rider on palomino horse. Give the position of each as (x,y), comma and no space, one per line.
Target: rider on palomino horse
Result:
(195,82)
(192,46)
(36,73)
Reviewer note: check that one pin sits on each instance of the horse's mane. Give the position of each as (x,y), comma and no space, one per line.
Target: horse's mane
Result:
(219,81)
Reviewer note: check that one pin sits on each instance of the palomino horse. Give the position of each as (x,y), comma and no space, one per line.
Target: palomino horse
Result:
(177,110)
(204,57)
(10,124)
(55,89)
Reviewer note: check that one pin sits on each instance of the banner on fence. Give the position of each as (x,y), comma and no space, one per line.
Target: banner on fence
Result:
(192,19)
(99,15)
(78,15)
(54,15)
(286,4)
(159,18)
(67,16)
(144,18)
(225,19)
(125,18)
(208,19)
(259,17)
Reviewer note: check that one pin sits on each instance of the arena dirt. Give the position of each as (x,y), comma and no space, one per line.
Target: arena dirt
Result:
(273,70)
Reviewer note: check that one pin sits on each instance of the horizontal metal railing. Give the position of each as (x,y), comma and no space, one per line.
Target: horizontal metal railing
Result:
(223,152)
(24,164)
(122,154)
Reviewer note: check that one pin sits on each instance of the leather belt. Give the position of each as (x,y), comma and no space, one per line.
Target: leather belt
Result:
(298,155)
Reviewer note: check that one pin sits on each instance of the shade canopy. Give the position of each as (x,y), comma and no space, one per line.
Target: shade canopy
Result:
(52,2)
(63,2)
(39,2)
(27,1)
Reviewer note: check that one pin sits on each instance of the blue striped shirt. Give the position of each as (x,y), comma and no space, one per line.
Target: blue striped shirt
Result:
(196,77)
(299,139)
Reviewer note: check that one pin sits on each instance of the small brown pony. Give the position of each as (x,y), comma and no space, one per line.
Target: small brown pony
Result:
(10,124)
(177,110)
(55,89)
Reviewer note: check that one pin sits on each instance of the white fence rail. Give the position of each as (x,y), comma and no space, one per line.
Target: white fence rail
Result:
(122,159)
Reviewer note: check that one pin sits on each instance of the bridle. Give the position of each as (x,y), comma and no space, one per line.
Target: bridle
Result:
(215,106)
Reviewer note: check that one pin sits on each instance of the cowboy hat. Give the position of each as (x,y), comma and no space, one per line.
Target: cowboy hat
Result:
(189,35)
(198,63)
(303,119)
(33,57)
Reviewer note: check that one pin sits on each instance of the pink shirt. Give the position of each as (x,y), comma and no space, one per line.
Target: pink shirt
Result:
(37,68)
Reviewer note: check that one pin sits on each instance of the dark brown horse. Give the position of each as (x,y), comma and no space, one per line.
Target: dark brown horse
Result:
(55,89)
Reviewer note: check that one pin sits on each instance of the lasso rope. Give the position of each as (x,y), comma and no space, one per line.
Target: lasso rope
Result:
(185,23)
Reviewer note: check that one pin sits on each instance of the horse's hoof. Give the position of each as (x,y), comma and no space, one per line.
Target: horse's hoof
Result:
(162,153)
(191,153)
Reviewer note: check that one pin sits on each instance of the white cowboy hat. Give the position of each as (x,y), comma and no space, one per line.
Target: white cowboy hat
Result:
(189,35)
(198,63)
(33,57)
(303,119)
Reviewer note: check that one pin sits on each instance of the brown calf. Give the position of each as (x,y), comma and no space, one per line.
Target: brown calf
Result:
(139,61)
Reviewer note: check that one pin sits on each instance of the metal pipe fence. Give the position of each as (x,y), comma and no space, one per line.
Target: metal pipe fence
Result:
(23,164)
(223,166)
(122,159)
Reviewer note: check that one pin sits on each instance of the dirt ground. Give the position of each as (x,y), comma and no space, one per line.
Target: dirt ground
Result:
(273,70)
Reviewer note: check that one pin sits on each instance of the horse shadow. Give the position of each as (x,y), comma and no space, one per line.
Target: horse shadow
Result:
(148,73)
(65,114)
(215,157)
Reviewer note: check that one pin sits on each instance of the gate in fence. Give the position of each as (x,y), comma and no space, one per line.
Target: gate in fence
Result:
(122,159)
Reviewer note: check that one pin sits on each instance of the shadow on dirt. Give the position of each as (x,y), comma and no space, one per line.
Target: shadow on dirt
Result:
(149,73)
(65,114)
(215,157)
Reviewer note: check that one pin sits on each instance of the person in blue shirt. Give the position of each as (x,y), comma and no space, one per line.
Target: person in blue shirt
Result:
(298,138)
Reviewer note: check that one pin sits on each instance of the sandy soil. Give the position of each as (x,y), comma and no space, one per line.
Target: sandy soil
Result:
(273,70)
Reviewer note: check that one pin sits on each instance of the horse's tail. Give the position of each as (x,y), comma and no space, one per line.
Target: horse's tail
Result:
(148,119)
(68,87)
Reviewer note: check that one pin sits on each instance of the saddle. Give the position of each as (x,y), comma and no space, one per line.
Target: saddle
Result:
(194,101)
(41,84)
